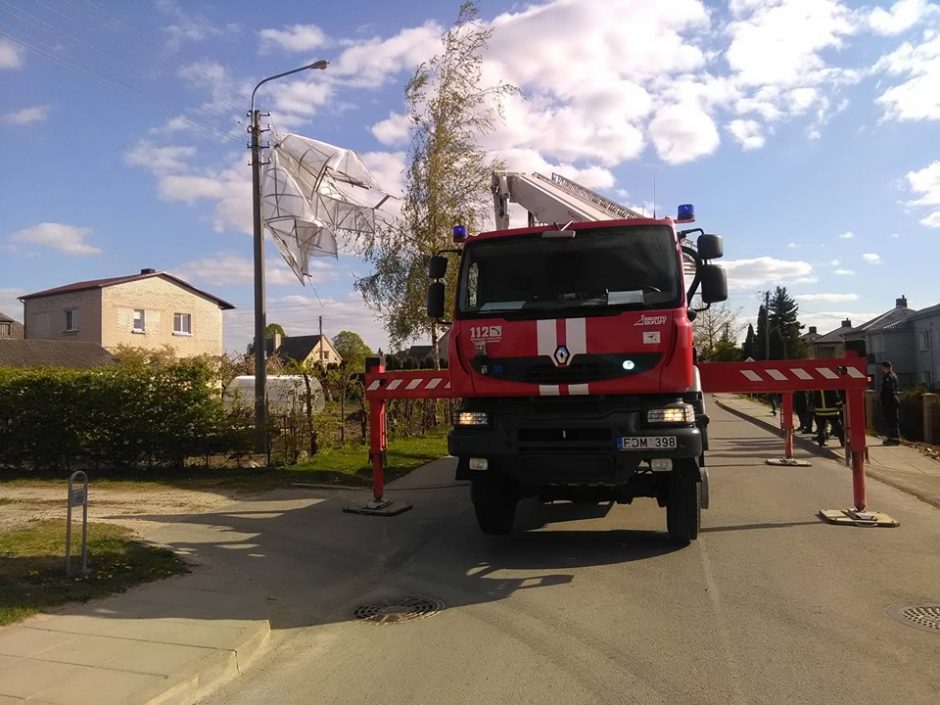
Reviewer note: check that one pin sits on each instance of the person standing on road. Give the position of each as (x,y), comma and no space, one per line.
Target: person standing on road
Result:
(890,405)
(801,407)
(828,408)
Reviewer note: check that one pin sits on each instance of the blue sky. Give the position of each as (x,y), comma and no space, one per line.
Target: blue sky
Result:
(805,131)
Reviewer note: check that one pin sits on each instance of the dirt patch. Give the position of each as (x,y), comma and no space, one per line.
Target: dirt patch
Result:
(22,504)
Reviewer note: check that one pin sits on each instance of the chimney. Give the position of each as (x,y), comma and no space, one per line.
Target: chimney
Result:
(812,330)
(902,302)
(846,323)
(148,271)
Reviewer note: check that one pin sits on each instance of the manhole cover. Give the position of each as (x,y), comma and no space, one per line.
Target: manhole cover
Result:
(393,610)
(926,617)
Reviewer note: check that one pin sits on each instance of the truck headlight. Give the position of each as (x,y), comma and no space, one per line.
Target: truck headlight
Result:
(471,418)
(674,413)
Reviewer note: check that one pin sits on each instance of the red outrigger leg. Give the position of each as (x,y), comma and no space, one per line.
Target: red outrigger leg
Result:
(378,444)
(786,416)
(855,432)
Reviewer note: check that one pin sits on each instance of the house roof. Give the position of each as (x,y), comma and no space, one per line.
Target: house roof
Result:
(6,319)
(296,347)
(53,353)
(925,313)
(111,281)
(834,336)
(889,320)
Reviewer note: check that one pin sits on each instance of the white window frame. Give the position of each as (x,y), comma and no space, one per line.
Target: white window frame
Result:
(924,339)
(143,321)
(6,328)
(178,328)
(71,320)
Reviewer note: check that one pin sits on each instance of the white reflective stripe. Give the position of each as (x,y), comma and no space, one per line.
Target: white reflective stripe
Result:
(375,385)
(751,375)
(852,372)
(434,382)
(576,336)
(394,384)
(777,375)
(413,384)
(826,372)
(802,374)
(577,389)
(547,337)
(549,390)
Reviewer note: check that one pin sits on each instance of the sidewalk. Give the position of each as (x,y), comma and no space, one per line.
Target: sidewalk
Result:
(902,467)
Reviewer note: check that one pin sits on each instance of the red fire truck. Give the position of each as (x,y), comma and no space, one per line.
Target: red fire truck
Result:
(571,350)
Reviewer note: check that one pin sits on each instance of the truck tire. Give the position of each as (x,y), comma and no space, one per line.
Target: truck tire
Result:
(684,504)
(494,502)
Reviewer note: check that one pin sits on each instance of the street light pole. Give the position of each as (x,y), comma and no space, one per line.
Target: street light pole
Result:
(261,414)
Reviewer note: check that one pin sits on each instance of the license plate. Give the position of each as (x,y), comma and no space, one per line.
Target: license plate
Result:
(646,442)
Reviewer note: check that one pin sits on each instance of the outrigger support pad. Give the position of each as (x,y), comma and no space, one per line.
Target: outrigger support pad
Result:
(379,508)
(853,517)
(788,462)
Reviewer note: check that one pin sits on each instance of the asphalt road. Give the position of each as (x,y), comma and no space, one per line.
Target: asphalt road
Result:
(769,605)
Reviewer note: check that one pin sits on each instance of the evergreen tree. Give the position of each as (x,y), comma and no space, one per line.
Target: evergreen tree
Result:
(785,341)
(750,343)
(760,340)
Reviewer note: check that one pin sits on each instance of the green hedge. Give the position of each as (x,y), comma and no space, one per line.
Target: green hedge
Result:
(115,417)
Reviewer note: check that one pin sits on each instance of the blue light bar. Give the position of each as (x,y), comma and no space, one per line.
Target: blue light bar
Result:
(686,213)
(460,233)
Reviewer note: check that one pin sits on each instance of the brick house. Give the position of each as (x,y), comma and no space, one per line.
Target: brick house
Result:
(149,310)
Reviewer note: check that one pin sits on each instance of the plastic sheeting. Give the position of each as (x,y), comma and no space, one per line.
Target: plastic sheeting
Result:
(312,192)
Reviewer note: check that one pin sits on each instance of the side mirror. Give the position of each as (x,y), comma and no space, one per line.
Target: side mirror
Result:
(436,300)
(714,284)
(710,246)
(437,266)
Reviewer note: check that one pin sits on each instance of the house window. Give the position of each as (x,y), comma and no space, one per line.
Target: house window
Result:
(139,321)
(71,320)
(924,340)
(182,324)
(6,329)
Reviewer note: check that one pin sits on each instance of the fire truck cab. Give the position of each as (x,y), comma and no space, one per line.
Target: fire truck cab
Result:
(571,350)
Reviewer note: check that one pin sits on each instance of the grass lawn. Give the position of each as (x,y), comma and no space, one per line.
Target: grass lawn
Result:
(340,466)
(32,566)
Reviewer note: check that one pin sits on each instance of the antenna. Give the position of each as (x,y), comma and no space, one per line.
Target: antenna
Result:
(654,192)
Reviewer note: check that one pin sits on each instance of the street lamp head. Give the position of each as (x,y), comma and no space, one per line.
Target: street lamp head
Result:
(321,64)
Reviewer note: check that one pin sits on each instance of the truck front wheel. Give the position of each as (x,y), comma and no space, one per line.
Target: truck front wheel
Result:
(494,501)
(684,504)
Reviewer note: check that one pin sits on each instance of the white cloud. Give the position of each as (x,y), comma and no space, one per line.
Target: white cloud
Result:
(827,298)
(794,245)
(900,17)
(296,38)
(10,304)
(872,258)
(926,184)
(388,168)
(159,160)
(393,130)
(225,268)
(761,271)
(191,28)
(11,54)
(842,272)
(69,239)
(682,133)
(370,63)
(27,116)
(917,97)
(847,235)
(749,133)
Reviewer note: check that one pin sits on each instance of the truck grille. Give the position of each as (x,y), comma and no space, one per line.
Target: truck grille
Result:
(583,368)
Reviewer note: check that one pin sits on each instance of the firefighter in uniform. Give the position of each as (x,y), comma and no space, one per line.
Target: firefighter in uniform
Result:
(828,409)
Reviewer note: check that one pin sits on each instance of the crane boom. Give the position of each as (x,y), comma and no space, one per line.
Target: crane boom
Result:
(555,200)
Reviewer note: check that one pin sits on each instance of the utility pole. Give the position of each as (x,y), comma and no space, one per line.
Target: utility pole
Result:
(261,411)
(767,324)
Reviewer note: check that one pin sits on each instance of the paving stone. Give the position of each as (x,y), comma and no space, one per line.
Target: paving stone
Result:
(30,677)
(89,650)
(26,641)
(98,686)
(158,659)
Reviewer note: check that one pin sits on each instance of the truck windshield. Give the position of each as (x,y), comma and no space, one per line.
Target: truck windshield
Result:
(602,271)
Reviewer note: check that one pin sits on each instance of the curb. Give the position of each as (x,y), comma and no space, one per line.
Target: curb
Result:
(195,681)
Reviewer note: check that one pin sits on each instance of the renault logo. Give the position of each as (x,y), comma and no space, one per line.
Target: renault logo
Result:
(562,356)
